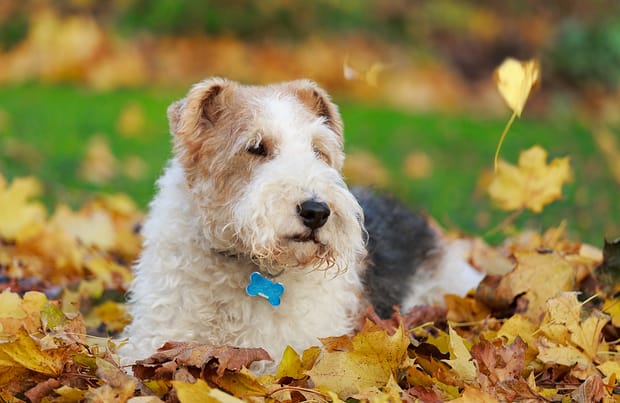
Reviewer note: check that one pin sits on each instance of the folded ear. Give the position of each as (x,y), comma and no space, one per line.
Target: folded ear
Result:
(319,102)
(202,107)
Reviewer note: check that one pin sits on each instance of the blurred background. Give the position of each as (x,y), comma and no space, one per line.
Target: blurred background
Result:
(84,85)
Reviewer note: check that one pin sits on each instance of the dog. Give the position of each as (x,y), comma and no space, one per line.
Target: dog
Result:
(254,238)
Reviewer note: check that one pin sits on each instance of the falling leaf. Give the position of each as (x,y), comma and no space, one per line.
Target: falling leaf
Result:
(375,357)
(461,361)
(17,211)
(515,80)
(532,184)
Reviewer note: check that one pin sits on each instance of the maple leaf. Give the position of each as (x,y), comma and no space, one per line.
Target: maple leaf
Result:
(374,358)
(461,361)
(532,184)
(536,277)
(197,355)
(17,212)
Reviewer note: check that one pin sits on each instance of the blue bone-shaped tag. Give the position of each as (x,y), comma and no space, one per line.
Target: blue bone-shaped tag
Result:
(264,287)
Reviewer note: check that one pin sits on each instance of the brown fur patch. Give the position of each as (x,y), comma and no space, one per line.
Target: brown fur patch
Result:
(209,126)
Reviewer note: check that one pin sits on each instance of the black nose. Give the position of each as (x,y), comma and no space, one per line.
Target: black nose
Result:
(313,213)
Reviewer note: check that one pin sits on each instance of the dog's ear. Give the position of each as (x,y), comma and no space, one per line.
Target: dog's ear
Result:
(319,102)
(203,106)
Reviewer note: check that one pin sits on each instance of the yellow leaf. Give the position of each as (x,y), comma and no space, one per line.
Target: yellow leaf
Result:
(17,213)
(363,168)
(563,324)
(472,395)
(200,392)
(612,308)
(25,352)
(554,353)
(375,357)
(110,313)
(131,121)
(610,368)
(539,276)
(418,165)
(460,361)
(532,184)
(515,80)
(290,365)
(93,227)
(519,325)
(242,384)
(99,165)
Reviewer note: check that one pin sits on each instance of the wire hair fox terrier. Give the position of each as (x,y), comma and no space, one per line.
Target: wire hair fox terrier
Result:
(253,204)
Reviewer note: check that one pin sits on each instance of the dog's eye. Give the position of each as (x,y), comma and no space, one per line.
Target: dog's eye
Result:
(258,149)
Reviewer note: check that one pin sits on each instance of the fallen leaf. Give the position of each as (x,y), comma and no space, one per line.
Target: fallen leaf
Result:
(536,277)
(499,362)
(591,390)
(461,361)
(473,395)
(374,358)
(191,354)
(532,184)
(200,392)
(17,211)
(99,165)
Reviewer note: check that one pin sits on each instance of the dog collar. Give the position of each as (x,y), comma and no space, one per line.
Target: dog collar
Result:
(264,287)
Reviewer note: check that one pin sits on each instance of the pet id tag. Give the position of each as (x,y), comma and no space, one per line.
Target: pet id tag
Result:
(264,287)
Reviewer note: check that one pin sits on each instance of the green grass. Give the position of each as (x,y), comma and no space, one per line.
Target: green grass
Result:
(44,131)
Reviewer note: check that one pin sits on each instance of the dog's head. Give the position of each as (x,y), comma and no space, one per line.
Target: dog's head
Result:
(263,165)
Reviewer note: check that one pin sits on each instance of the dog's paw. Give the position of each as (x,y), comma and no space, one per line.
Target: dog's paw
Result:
(264,287)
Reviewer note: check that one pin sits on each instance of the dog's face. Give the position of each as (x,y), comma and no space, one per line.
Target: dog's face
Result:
(263,165)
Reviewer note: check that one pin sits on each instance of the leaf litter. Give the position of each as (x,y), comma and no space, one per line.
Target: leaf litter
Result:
(542,326)
(524,334)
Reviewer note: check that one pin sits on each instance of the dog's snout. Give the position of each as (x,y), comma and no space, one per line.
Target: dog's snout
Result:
(313,213)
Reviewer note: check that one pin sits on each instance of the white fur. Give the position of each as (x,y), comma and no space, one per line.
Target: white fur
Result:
(200,248)
(190,283)
(450,275)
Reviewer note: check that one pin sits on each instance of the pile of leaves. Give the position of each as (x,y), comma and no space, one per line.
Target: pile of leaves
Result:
(544,324)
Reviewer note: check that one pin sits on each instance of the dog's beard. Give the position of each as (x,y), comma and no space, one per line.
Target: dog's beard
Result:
(294,255)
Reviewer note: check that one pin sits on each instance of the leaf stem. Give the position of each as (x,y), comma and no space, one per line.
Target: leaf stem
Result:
(505,222)
(501,139)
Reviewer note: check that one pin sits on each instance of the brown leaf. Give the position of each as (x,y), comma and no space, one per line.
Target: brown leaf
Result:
(42,389)
(197,355)
(591,390)
(499,362)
